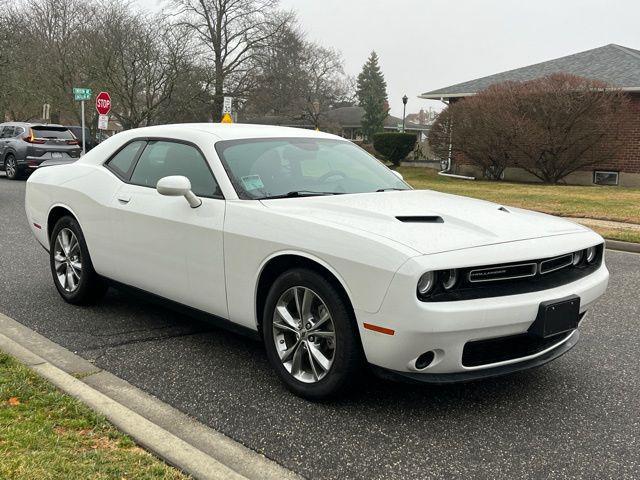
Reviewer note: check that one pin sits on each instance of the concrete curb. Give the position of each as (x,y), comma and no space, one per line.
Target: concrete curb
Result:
(623,246)
(171,435)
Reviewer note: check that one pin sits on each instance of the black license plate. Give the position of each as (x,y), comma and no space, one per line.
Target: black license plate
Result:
(556,316)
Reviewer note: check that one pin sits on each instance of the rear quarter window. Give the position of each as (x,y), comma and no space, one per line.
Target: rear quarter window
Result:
(122,162)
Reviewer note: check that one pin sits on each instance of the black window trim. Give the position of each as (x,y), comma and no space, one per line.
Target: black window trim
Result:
(146,141)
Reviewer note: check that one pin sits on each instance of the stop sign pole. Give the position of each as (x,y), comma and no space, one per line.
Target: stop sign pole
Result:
(103,106)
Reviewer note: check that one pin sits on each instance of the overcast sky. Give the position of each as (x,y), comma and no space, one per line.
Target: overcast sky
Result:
(428,44)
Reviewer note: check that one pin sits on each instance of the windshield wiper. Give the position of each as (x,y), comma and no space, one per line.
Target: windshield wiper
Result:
(390,189)
(302,193)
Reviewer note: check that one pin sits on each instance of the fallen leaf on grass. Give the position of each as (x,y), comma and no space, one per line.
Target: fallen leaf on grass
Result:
(13,401)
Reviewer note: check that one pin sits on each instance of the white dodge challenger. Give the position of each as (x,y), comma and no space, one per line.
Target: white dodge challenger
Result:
(307,241)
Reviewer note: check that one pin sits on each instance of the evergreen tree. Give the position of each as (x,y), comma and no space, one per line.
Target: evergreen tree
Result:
(372,96)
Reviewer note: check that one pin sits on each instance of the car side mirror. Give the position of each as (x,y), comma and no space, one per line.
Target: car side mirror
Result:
(398,174)
(178,186)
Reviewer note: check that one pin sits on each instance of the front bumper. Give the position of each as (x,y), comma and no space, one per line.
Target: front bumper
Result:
(469,376)
(444,328)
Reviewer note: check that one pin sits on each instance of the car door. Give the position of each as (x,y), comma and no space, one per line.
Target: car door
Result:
(5,140)
(164,246)
(2,146)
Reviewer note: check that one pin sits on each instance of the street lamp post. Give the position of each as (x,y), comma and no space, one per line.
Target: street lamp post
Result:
(405,99)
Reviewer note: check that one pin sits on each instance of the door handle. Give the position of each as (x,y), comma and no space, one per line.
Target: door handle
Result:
(124,199)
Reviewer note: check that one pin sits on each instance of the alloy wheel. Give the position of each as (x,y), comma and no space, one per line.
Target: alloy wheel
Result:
(304,334)
(10,167)
(67,260)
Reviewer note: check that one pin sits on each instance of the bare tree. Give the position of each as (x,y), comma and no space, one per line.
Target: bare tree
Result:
(298,79)
(327,83)
(565,123)
(480,130)
(138,59)
(280,80)
(55,30)
(231,34)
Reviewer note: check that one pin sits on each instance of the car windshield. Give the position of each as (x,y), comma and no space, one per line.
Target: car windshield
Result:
(293,167)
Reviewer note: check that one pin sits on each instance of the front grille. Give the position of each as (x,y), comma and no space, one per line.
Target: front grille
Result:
(494,350)
(554,264)
(487,281)
(505,272)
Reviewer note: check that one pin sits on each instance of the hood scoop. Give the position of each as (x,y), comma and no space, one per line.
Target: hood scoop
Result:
(421,219)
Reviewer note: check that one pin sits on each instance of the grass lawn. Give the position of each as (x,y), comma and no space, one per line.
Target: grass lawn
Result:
(45,434)
(603,203)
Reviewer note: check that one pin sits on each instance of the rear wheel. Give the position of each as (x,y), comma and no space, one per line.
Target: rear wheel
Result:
(11,168)
(71,267)
(310,335)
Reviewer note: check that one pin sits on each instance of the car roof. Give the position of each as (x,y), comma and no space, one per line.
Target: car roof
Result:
(235,131)
(31,124)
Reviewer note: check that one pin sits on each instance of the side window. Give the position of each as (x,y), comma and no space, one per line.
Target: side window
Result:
(164,158)
(7,132)
(122,162)
(19,131)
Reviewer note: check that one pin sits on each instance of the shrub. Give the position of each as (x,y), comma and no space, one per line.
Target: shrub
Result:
(394,146)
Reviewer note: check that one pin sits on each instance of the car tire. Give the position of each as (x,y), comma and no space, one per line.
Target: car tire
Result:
(11,168)
(73,274)
(304,372)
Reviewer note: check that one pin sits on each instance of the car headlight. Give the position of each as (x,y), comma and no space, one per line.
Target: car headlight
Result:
(449,278)
(591,254)
(426,283)
(577,258)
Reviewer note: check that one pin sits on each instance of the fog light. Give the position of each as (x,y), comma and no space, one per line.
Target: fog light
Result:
(577,258)
(591,254)
(449,278)
(425,360)
(426,282)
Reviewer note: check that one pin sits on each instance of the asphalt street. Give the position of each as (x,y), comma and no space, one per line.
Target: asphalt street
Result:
(578,417)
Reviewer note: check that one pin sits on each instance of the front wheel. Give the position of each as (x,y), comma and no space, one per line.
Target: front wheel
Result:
(310,335)
(71,267)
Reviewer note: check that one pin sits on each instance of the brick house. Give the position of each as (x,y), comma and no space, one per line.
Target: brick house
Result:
(615,65)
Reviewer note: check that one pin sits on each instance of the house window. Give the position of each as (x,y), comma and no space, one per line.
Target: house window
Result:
(602,177)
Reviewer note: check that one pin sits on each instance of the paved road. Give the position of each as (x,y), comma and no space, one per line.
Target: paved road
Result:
(576,418)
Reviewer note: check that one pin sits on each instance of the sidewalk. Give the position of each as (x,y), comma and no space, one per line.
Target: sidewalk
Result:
(592,222)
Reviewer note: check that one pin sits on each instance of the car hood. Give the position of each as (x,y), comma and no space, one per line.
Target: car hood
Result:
(430,222)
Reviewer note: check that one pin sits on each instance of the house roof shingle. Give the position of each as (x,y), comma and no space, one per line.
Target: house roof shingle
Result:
(612,64)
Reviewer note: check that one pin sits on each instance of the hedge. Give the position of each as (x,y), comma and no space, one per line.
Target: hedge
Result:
(394,146)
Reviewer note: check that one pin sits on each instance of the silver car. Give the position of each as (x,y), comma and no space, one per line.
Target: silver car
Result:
(26,146)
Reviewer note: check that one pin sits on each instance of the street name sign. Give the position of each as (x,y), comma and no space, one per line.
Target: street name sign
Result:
(80,94)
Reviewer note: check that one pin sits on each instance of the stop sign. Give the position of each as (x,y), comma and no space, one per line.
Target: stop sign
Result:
(103,103)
